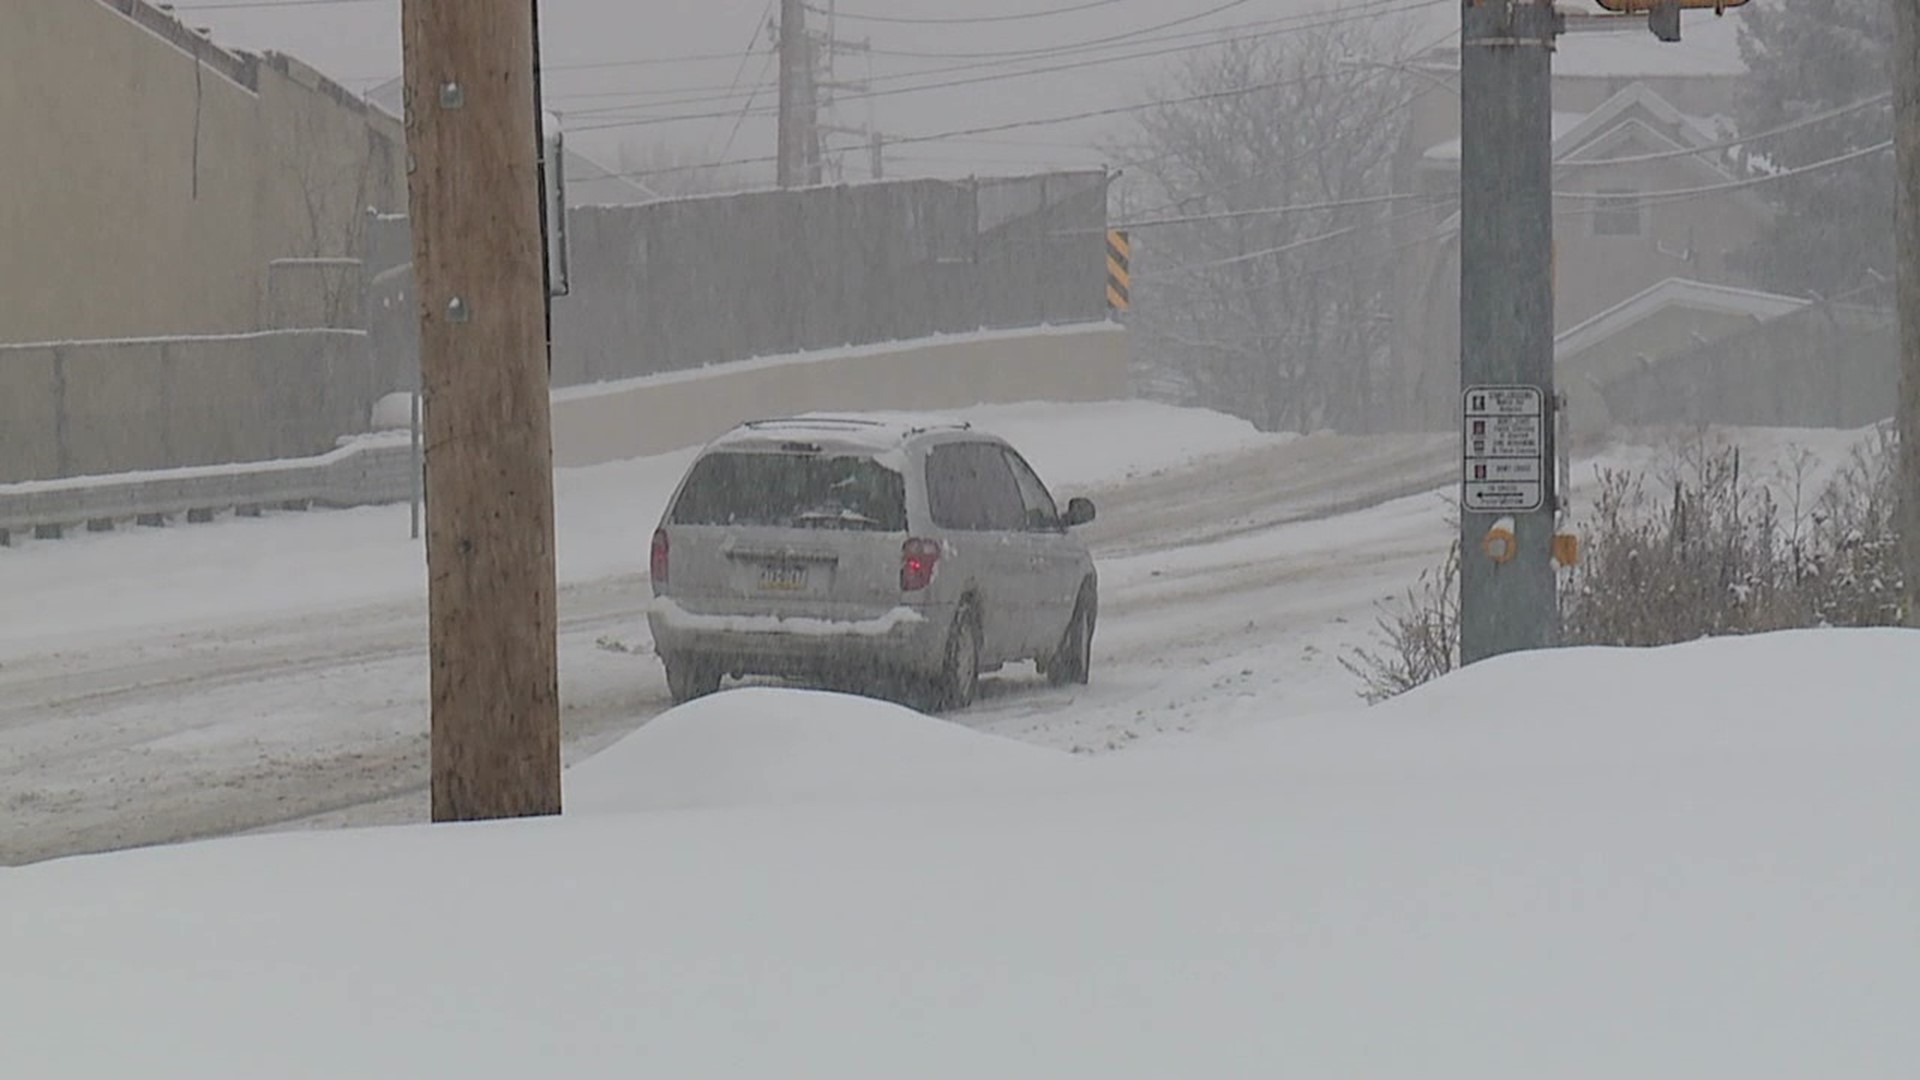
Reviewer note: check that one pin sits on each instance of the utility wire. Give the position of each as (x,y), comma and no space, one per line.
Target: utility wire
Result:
(1729,144)
(995,128)
(1212,39)
(746,57)
(1656,198)
(968,20)
(1608,203)
(1091,43)
(1615,202)
(1268,211)
(759,85)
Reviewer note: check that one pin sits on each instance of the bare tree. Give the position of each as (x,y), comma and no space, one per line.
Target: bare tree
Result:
(1284,317)
(330,182)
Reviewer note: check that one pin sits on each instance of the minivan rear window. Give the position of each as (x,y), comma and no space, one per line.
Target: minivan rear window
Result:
(786,490)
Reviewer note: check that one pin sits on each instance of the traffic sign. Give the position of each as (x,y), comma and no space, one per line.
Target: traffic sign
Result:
(1504,449)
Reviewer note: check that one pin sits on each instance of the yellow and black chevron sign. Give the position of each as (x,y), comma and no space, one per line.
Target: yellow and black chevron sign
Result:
(1119,270)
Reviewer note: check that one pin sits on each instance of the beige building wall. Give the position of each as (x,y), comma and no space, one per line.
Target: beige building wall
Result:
(1584,376)
(1695,238)
(1593,270)
(655,414)
(151,178)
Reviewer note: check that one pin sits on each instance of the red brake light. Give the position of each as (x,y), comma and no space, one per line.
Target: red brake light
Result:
(659,562)
(918,558)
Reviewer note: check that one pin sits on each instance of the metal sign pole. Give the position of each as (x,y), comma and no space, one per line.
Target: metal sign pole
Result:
(1508,599)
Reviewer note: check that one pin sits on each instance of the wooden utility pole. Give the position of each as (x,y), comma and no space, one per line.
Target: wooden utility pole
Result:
(474,193)
(1906,126)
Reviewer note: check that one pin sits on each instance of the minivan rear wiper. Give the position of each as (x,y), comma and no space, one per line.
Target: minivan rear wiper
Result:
(823,518)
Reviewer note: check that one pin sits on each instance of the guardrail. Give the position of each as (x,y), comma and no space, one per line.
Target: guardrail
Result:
(368,471)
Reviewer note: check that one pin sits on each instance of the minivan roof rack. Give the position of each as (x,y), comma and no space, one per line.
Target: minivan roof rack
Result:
(906,425)
(802,421)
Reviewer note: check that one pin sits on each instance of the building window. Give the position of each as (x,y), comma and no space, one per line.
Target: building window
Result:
(1616,213)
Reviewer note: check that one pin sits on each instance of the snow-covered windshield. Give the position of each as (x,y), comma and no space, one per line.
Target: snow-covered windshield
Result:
(791,490)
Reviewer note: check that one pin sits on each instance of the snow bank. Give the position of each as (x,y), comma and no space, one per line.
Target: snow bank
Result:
(759,747)
(1684,862)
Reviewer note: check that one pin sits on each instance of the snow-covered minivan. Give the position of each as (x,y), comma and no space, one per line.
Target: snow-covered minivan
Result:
(887,555)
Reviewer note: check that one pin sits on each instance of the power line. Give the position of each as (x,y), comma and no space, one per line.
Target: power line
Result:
(649,121)
(746,57)
(1729,144)
(969,20)
(1656,198)
(1614,201)
(759,85)
(1611,203)
(1295,245)
(1268,211)
(645,61)
(1284,27)
(1016,125)
(1093,43)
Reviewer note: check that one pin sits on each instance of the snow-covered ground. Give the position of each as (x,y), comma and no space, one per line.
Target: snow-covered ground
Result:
(1684,862)
(246,674)
(94,586)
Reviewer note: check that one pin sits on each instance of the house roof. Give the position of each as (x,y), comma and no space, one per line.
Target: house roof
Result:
(1563,122)
(1573,131)
(1674,124)
(1674,293)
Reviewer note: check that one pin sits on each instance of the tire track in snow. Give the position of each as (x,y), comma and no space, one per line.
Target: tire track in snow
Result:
(91,754)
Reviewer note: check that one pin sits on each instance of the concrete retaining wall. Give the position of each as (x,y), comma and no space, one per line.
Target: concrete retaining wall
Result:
(592,425)
(656,414)
(99,407)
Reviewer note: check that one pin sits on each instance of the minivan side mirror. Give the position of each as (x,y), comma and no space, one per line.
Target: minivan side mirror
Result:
(1079,512)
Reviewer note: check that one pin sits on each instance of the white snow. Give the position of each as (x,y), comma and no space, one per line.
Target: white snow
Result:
(879,348)
(767,748)
(1683,862)
(90,588)
(182,339)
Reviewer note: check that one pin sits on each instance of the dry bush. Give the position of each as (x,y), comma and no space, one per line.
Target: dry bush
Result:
(1712,551)
(1419,637)
(1692,548)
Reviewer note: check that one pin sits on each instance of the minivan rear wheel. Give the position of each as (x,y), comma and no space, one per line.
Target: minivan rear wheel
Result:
(689,679)
(959,680)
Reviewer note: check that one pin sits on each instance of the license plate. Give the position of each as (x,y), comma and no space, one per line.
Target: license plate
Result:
(783,577)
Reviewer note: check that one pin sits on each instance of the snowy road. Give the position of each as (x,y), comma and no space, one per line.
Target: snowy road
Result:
(1220,579)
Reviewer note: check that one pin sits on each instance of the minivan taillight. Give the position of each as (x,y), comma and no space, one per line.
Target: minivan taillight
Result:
(918,558)
(659,562)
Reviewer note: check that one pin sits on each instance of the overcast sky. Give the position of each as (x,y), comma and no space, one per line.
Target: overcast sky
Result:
(615,68)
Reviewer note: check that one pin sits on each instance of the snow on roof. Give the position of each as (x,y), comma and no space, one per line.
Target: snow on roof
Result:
(1674,292)
(1633,96)
(1574,131)
(866,431)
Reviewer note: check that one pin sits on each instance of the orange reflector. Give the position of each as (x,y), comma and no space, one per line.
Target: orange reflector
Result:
(1566,549)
